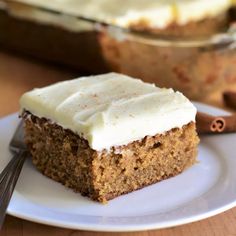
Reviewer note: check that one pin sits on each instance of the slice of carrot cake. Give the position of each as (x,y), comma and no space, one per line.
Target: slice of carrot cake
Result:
(110,134)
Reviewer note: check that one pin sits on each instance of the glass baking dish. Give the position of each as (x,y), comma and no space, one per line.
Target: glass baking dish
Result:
(195,66)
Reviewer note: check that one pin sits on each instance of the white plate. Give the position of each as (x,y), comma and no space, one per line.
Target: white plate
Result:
(203,190)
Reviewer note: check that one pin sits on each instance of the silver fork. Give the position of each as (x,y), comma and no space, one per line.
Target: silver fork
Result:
(11,172)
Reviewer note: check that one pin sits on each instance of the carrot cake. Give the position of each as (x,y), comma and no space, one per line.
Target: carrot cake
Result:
(107,135)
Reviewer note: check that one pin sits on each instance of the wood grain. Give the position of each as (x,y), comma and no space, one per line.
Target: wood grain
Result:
(18,75)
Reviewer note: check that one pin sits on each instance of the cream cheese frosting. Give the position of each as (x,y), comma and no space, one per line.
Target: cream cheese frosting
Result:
(110,109)
(158,13)
(200,9)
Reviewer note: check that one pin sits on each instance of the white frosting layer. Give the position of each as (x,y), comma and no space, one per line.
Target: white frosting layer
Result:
(21,10)
(156,13)
(200,9)
(110,109)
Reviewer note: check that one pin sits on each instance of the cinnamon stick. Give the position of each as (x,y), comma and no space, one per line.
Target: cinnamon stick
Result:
(208,124)
(230,99)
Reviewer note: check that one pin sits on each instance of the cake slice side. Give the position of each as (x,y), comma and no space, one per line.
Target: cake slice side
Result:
(67,158)
(144,162)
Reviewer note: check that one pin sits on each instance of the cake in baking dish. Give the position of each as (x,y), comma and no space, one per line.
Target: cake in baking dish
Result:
(203,17)
(107,135)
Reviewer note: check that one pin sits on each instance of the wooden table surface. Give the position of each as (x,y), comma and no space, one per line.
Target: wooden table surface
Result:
(18,75)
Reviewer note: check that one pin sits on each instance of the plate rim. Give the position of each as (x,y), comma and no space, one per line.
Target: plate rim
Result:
(124,228)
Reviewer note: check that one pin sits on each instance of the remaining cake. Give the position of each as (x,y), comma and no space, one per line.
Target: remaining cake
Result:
(107,135)
(32,27)
(27,27)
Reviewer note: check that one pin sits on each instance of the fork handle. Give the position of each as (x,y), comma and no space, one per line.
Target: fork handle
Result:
(8,180)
